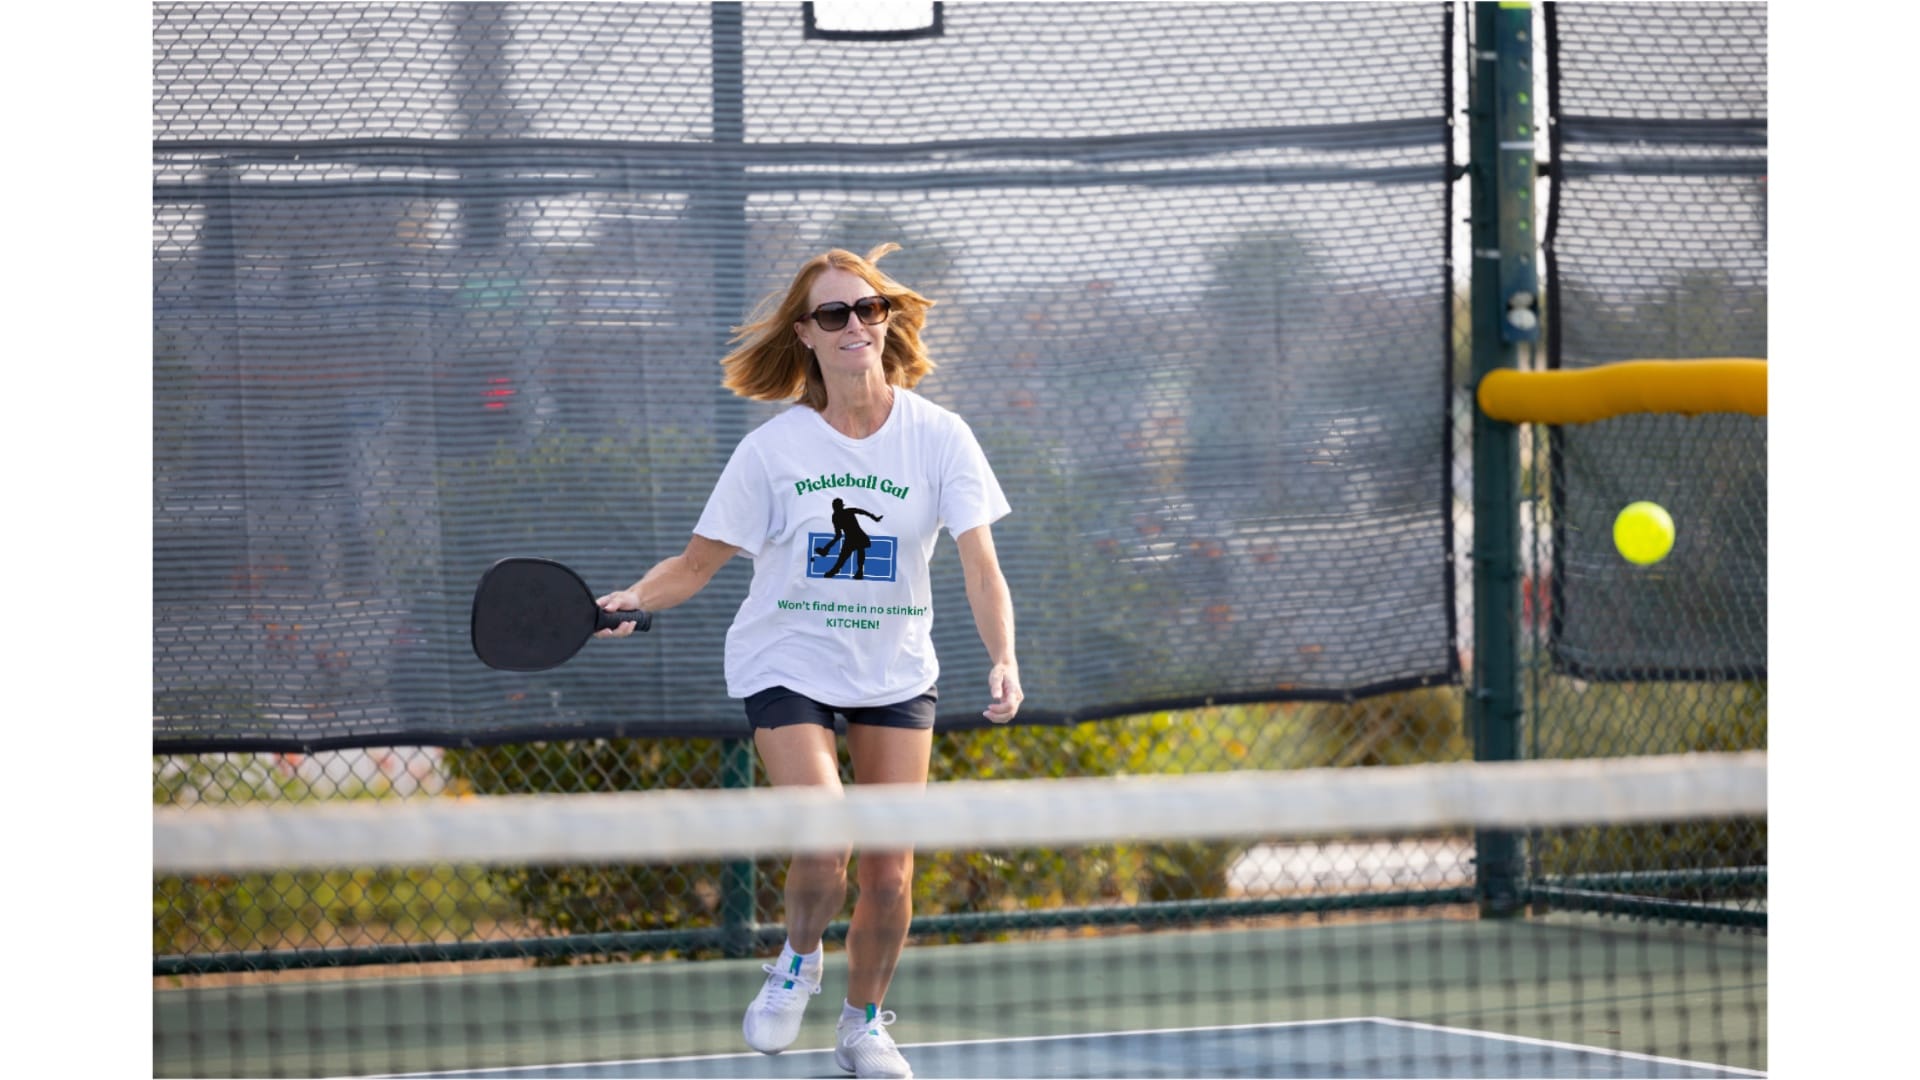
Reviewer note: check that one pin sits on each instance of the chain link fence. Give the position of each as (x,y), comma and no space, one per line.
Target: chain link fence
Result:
(348,910)
(1657,250)
(1617,704)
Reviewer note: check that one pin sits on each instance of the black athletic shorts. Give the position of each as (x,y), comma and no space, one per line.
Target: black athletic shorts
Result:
(777,707)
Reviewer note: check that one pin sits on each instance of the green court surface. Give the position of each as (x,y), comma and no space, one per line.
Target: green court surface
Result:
(1626,989)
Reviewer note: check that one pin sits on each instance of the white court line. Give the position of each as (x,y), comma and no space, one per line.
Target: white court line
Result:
(1567,1046)
(1471,1032)
(903,1046)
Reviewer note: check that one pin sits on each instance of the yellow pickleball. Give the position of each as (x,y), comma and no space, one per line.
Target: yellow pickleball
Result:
(1643,532)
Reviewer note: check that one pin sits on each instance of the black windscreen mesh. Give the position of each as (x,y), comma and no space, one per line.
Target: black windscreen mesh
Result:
(438,284)
(1658,251)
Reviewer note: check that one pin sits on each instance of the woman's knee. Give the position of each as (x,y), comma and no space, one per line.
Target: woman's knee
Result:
(886,875)
(817,873)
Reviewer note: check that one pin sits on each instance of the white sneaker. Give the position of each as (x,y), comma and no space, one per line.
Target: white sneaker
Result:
(864,1048)
(773,1020)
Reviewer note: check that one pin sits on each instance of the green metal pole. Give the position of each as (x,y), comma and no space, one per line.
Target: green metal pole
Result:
(1505,305)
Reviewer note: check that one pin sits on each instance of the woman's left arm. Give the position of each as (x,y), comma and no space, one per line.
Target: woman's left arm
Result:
(992,605)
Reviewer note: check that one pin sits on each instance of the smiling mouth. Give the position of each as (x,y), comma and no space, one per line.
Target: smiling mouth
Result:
(854,345)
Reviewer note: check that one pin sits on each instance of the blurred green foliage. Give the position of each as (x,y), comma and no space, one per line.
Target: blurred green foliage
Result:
(324,909)
(349,907)
(1578,719)
(205,913)
(1415,726)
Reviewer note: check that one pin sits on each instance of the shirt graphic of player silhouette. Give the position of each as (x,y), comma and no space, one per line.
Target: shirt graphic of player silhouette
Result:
(846,524)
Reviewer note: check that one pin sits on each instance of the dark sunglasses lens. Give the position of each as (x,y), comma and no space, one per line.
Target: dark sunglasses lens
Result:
(831,316)
(872,309)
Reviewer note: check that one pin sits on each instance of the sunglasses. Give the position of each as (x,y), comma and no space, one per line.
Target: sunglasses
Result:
(871,309)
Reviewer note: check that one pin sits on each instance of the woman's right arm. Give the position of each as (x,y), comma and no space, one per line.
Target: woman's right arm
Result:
(671,582)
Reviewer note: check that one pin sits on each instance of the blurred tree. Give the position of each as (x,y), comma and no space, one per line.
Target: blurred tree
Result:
(1260,302)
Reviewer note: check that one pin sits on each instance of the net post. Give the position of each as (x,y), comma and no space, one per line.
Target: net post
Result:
(1504,302)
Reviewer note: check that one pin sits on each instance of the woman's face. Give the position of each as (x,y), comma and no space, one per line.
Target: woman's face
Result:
(855,347)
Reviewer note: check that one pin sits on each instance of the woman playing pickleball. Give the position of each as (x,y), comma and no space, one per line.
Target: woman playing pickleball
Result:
(842,344)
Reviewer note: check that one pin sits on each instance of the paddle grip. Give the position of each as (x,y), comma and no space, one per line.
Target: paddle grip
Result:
(641,620)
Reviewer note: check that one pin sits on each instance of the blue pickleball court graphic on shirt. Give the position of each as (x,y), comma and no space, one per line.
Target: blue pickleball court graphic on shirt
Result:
(880,566)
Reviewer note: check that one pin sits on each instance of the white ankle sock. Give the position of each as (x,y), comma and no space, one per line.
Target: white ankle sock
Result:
(809,962)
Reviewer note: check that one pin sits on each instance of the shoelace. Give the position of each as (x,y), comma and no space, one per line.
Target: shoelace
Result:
(798,979)
(875,1029)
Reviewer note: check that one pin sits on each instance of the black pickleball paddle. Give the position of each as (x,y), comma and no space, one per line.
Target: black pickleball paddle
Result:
(533,614)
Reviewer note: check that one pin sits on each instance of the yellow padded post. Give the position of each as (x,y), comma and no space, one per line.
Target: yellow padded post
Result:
(1688,387)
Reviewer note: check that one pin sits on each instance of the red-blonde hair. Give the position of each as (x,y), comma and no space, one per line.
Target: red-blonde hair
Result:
(771,363)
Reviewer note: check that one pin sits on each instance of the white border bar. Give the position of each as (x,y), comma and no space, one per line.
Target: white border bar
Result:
(667,826)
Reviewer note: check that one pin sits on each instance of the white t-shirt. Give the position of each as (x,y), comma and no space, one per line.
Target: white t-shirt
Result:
(841,608)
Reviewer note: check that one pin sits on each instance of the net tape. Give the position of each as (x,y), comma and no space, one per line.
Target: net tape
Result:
(656,826)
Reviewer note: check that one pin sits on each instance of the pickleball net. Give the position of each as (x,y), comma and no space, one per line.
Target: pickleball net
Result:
(1348,942)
